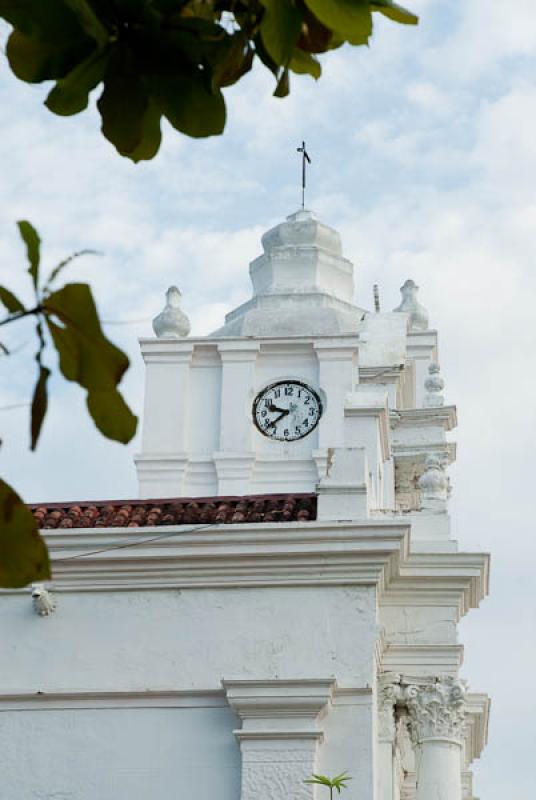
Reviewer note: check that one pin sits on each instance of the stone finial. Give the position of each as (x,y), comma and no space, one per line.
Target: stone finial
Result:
(43,601)
(172,322)
(418,315)
(434,484)
(434,385)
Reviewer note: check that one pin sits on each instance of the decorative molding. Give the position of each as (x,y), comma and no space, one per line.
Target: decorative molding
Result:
(26,700)
(444,417)
(477,719)
(436,710)
(428,658)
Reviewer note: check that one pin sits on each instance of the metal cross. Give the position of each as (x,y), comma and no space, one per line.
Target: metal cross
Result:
(305,158)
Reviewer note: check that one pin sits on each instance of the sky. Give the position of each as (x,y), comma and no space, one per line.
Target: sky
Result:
(424,158)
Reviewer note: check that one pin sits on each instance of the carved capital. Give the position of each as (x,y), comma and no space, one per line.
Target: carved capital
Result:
(388,695)
(436,710)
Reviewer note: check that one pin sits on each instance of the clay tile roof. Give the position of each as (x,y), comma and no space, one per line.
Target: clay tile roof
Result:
(182,511)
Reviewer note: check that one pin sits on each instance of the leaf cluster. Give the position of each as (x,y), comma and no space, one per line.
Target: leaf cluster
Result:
(67,320)
(172,58)
(338,782)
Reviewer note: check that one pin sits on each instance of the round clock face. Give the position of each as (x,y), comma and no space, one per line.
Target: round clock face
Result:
(287,410)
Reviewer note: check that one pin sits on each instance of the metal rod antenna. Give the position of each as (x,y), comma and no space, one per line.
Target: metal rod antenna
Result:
(305,158)
(376,293)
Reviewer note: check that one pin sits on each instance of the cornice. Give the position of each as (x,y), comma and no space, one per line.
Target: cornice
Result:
(442,416)
(477,708)
(227,556)
(266,555)
(455,579)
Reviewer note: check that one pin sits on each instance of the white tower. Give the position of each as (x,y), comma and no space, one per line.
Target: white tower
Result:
(301,391)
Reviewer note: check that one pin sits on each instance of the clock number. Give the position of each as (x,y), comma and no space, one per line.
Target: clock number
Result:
(297,430)
(286,433)
(264,413)
(277,392)
(289,391)
(307,400)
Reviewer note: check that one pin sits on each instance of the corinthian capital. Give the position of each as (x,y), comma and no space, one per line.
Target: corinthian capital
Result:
(388,694)
(436,710)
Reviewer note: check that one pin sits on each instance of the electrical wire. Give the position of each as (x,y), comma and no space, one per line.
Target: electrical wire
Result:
(123,545)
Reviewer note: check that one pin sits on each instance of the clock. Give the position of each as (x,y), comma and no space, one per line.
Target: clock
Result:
(287,410)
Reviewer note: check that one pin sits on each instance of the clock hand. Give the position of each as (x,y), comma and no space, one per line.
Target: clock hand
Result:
(271,407)
(274,422)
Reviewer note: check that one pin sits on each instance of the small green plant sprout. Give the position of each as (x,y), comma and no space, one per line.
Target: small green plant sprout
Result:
(338,782)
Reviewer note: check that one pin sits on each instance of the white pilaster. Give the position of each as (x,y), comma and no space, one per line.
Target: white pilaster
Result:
(235,459)
(388,694)
(165,442)
(437,724)
(343,494)
(337,374)
(281,729)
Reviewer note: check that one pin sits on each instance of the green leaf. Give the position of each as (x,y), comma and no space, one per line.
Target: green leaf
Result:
(232,60)
(88,20)
(70,95)
(39,405)
(23,553)
(11,302)
(262,53)
(350,18)
(34,59)
(32,241)
(111,415)
(86,355)
(280,29)
(283,85)
(123,103)
(88,358)
(395,12)
(190,106)
(305,64)
(151,135)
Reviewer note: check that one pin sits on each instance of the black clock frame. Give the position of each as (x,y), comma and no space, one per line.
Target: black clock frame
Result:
(281,383)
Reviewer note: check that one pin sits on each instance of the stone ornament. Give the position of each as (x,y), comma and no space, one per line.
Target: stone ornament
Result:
(43,601)
(172,322)
(418,315)
(434,483)
(388,696)
(434,385)
(436,710)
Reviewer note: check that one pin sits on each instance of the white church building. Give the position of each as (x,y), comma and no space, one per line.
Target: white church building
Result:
(283,597)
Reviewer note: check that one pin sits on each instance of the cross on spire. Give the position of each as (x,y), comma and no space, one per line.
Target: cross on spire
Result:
(305,158)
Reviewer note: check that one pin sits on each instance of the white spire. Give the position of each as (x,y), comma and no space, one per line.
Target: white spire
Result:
(302,284)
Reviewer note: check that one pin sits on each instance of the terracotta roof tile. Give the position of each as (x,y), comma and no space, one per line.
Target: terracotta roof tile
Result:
(182,511)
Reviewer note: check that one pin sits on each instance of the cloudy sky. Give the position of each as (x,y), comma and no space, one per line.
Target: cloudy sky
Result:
(424,158)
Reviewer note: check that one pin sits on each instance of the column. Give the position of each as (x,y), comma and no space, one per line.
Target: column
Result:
(280,733)
(437,720)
